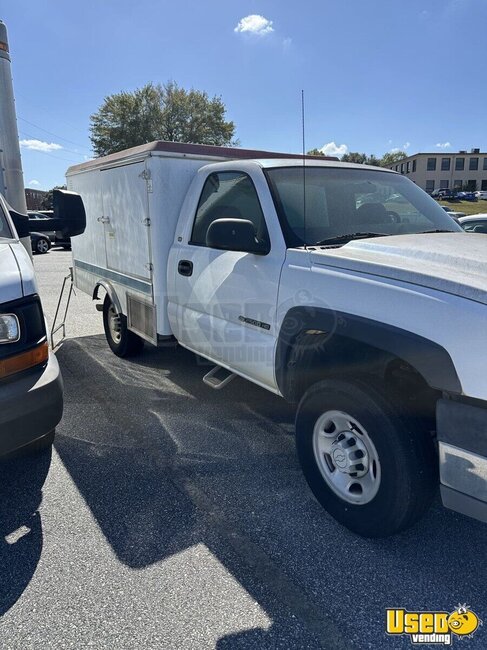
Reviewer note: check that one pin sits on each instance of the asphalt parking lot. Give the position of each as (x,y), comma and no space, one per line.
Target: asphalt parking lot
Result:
(172,516)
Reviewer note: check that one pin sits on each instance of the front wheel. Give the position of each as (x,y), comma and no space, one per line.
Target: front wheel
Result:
(121,340)
(372,468)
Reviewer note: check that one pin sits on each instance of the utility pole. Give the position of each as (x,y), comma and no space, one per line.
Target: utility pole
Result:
(11,176)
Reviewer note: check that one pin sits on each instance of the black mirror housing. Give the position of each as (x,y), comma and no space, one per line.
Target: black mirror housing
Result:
(70,211)
(235,235)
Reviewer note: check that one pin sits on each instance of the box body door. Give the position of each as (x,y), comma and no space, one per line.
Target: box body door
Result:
(126,219)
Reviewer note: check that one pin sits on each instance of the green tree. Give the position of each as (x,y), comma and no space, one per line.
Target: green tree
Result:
(392,158)
(315,152)
(47,200)
(373,160)
(354,157)
(157,112)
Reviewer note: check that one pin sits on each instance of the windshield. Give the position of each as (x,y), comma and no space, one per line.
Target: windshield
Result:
(346,201)
(4,225)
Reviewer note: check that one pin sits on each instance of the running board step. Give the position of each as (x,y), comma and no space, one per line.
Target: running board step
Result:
(217,383)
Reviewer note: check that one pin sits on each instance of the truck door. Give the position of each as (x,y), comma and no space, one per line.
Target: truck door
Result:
(224,303)
(125,219)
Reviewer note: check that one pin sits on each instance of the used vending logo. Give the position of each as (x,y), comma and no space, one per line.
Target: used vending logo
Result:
(433,627)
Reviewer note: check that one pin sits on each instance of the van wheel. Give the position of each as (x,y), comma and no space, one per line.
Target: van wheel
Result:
(39,445)
(372,468)
(121,340)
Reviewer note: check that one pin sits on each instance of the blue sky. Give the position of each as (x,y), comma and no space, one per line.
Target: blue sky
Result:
(377,74)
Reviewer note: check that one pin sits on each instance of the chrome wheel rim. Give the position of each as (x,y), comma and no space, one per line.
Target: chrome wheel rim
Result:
(114,325)
(346,457)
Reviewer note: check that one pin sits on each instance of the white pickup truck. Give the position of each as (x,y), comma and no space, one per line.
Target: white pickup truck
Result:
(343,288)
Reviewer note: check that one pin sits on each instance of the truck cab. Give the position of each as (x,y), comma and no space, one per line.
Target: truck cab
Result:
(31,389)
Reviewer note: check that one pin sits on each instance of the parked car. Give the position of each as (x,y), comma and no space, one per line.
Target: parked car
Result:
(466,196)
(481,194)
(35,220)
(57,237)
(40,242)
(453,213)
(474,223)
(443,193)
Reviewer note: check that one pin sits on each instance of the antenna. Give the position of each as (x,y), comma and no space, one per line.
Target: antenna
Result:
(304,165)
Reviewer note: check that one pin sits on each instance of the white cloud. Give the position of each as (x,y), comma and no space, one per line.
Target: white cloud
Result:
(443,145)
(332,149)
(33,182)
(39,145)
(395,150)
(406,145)
(254,24)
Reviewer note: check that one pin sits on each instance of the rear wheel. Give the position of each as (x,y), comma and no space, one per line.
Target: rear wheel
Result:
(42,245)
(121,340)
(371,467)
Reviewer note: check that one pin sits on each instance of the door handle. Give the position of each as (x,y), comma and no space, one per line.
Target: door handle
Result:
(104,219)
(185,267)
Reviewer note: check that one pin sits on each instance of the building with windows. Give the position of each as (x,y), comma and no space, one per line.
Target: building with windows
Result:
(34,198)
(434,171)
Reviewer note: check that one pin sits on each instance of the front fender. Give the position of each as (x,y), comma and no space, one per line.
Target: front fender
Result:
(430,359)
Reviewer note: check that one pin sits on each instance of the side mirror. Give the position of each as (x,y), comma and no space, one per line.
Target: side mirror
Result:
(69,209)
(235,235)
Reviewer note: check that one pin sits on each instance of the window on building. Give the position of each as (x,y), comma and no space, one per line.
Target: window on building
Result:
(408,167)
(445,164)
(485,164)
(402,168)
(457,184)
(444,184)
(397,167)
(471,185)
(431,165)
(459,164)
(484,185)
(430,186)
(473,164)
(414,165)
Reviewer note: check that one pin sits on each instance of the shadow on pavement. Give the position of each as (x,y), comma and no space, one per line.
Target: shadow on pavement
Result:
(21,484)
(165,463)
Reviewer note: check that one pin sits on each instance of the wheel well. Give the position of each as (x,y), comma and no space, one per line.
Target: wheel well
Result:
(315,356)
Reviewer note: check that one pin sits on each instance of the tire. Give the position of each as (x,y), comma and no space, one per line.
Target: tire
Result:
(388,462)
(42,245)
(39,445)
(121,340)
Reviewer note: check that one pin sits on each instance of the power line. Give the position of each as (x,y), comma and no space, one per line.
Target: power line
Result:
(53,134)
(48,112)
(48,153)
(29,135)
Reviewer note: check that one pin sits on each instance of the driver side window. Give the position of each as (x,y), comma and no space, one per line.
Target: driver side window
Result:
(228,195)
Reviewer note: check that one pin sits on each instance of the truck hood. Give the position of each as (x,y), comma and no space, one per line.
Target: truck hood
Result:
(16,272)
(451,262)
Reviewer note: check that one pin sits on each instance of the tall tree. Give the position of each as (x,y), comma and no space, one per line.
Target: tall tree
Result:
(315,152)
(156,112)
(354,157)
(392,158)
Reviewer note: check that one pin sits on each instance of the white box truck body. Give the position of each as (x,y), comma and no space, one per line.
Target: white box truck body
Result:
(132,201)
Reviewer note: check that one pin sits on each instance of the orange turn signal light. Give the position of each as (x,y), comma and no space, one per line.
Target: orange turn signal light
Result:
(25,360)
